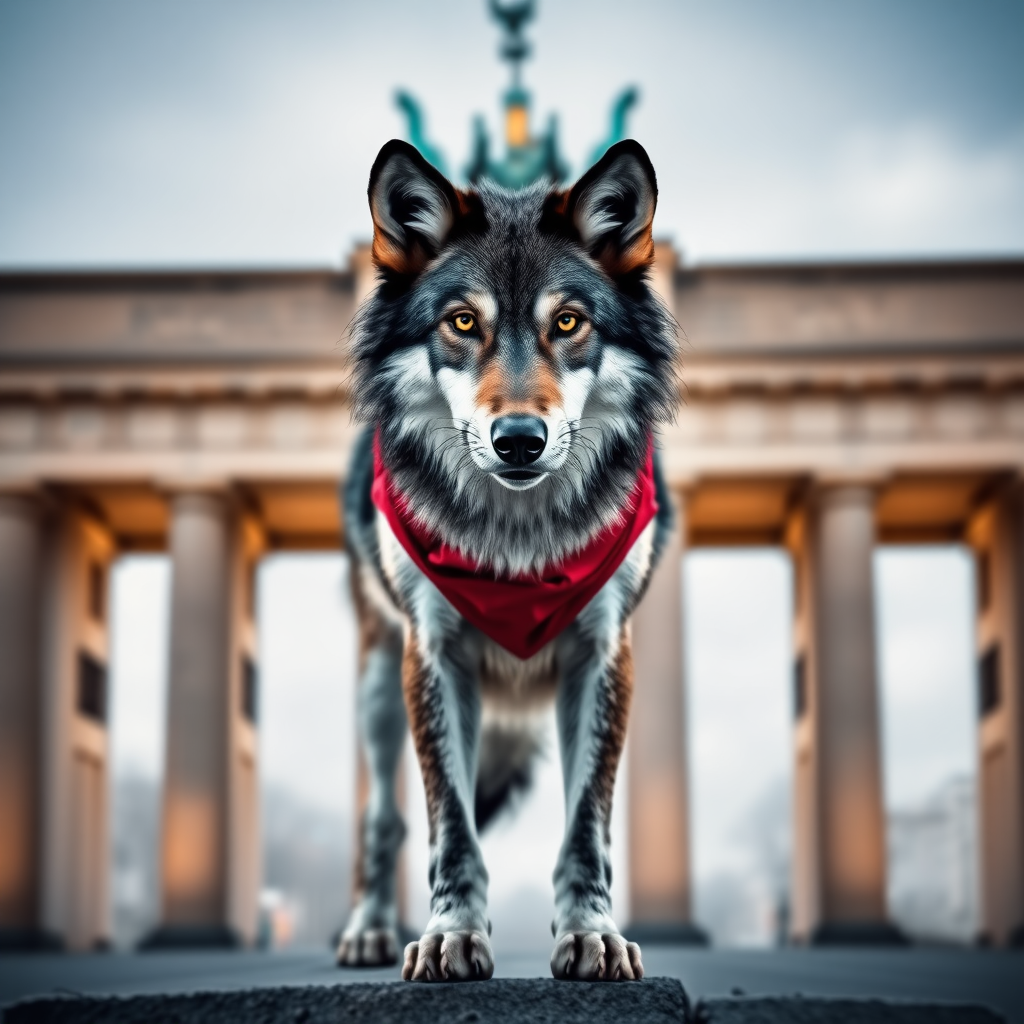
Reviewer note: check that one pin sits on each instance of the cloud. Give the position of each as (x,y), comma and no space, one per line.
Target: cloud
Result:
(872,191)
(911,177)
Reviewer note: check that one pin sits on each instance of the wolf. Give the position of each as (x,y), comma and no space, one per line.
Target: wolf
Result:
(504,510)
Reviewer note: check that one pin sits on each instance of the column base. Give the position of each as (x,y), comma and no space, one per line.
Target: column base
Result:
(857,933)
(29,940)
(191,936)
(666,933)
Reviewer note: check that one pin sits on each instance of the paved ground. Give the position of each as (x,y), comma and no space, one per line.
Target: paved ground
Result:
(993,978)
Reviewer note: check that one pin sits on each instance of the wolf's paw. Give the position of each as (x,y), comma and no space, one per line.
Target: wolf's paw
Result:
(449,956)
(369,947)
(591,956)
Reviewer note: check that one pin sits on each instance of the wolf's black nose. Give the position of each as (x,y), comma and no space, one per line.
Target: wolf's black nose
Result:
(519,440)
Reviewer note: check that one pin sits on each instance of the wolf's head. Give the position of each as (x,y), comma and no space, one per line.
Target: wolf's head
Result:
(514,358)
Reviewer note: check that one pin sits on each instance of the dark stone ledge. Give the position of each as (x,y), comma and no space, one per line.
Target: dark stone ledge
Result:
(798,1010)
(502,1001)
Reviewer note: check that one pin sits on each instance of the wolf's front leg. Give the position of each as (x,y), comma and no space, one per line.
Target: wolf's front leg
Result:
(592,708)
(370,937)
(443,703)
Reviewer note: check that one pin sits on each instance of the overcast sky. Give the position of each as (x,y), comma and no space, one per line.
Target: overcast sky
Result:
(187,132)
(243,132)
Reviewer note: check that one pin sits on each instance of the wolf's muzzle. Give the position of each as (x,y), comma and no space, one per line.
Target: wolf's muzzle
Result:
(519,440)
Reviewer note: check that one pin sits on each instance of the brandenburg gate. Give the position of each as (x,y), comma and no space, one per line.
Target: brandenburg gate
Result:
(824,409)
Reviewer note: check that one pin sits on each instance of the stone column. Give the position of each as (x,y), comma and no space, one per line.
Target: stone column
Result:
(839,855)
(659,801)
(210,859)
(74,747)
(997,535)
(20,563)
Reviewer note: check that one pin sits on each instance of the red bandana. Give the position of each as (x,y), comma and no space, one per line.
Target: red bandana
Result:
(522,613)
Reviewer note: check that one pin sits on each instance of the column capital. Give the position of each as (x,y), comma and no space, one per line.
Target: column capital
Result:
(837,479)
(825,492)
(682,485)
(682,493)
(211,484)
(35,500)
(221,499)
(360,265)
(847,493)
(27,499)
(1015,480)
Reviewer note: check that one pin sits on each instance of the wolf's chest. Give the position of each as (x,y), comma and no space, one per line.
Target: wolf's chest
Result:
(507,683)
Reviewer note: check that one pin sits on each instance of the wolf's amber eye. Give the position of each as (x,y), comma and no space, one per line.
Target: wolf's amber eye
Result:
(464,322)
(566,323)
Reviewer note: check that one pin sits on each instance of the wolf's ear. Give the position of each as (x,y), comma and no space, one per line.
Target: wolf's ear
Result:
(413,206)
(612,208)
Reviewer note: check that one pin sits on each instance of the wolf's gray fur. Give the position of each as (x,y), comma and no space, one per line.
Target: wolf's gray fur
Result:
(533,306)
